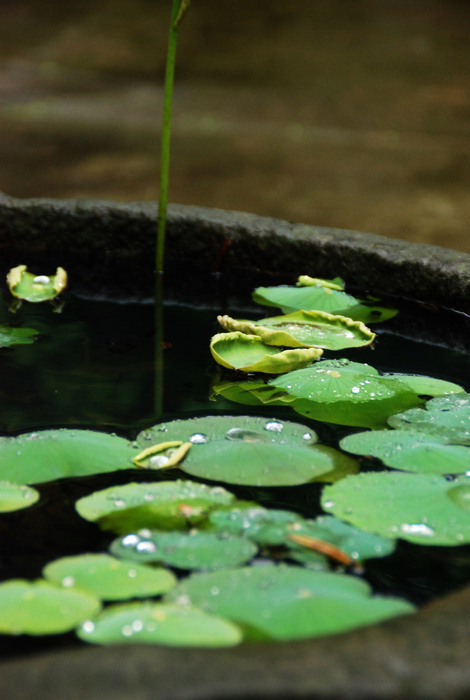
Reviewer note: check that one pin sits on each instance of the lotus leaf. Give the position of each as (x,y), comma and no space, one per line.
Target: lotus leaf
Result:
(415,507)
(322,298)
(426,386)
(345,392)
(250,450)
(250,393)
(16,336)
(108,578)
(249,353)
(446,416)
(35,288)
(304,329)
(47,455)
(288,602)
(165,505)
(155,623)
(185,550)
(16,497)
(40,607)
(410,451)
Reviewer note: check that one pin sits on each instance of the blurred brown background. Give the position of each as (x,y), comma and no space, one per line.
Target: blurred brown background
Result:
(346,113)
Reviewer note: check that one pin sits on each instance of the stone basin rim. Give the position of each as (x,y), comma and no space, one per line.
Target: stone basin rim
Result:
(423,656)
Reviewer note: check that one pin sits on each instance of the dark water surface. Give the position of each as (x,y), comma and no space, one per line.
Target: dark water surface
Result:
(93,367)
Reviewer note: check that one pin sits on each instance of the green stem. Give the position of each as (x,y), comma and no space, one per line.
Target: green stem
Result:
(166,129)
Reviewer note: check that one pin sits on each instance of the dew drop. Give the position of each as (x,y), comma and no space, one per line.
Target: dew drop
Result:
(41,279)
(149,497)
(68,581)
(328,504)
(130,540)
(158,461)
(88,626)
(132,573)
(417,529)
(245,435)
(137,626)
(146,547)
(145,532)
(198,439)
(215,590)
(274,426)
(119,503)
(355,555)
(355,390)
(307,436)
(127,631)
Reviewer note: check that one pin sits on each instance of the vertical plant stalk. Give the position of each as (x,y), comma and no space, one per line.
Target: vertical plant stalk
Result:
(178,11)
(166,133)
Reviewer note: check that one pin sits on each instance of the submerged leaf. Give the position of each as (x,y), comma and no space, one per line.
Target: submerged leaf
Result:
(35,288)
(155,623)
(165,505)
(16,497)
(410,451)
(445,416)
(40,607)
(415,507)
(16,336)
(249,353)
(48,455)
(288,602)
(304,329)
(250,450)
(345,392)
(108,578)
(185,550)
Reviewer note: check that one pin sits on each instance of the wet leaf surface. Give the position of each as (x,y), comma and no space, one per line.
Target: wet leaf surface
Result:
(445,416)
(16,497)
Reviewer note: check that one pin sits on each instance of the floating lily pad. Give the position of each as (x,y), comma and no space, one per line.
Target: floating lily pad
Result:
(304,329)
(415,507)
(319,297)
(249,353)
(165,505)
(35,288)
(185,550)
(345,392)
(288,602)
(249,450)
(40,607)
(426,386)
(251,393)
(108,578)
(48,455)
(251,520)
(16,336)
(410,451)
(446,416)
(16,497)
(155,623)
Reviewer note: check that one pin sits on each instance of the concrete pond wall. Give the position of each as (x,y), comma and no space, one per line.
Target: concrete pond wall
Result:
(108,249)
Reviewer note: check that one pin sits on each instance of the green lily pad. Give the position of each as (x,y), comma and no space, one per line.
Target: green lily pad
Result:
(304,329)
(250,393)
(185,550)
(445,416)
(16,336)
(410,451)
(250,450)
(165,505)
(155,623)
(39,607)
(288,602)
(426,386)
(414,507)
(251,520)
(249,353)
(108,578)
(345,392)
(35,288)
(16,497)
(48,455)
(319,297)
